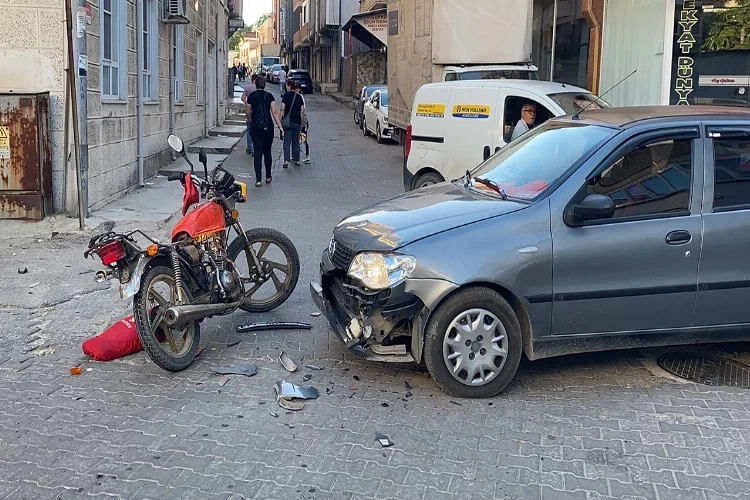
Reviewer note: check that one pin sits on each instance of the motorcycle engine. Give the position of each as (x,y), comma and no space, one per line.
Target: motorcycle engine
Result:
(222,273)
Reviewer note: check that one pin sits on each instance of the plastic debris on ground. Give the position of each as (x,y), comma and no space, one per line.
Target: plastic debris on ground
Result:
(384,440)
(279,325)
(288,390)
(246,370)
(287,362)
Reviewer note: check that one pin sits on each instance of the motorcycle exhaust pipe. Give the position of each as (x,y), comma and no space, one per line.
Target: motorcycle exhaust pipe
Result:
(179,315)
(102,276)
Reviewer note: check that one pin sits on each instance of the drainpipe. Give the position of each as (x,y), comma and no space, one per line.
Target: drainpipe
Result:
(554,41)
(341,48)
(171,86)
(139,88)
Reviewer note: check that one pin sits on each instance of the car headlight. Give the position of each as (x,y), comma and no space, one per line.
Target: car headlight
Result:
(385,119)
(378,271)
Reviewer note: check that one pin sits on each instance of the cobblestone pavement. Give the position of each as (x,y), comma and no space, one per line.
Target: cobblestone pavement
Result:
(582,427)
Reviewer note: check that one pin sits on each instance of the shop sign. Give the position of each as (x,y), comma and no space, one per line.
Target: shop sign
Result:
(685,45)
(376,25)
(282,22)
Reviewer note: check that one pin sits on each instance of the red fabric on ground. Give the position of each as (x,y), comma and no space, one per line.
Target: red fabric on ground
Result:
(120,339)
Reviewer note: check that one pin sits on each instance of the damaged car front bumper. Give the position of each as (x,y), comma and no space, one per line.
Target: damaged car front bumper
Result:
(386,325)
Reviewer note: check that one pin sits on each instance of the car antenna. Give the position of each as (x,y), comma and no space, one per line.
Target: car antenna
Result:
(577,115)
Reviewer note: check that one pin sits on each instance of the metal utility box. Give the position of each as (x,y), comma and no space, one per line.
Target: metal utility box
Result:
(25,158)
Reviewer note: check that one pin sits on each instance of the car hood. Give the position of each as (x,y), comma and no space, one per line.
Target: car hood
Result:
(409,217)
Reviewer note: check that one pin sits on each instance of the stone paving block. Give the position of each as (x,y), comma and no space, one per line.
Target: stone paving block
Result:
(517,492)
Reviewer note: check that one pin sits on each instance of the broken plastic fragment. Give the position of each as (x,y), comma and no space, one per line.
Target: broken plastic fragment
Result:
(22,270)
(287,362)
(277,325)
(384,440)
(247,370)
(313,367)
(288,404)
(315,314)
(223,381)
(288,390)
(306,377)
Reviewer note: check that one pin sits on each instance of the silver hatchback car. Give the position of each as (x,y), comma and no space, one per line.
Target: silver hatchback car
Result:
(610,229)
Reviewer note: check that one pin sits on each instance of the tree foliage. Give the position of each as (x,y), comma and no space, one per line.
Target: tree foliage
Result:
(730,29)
(236,39)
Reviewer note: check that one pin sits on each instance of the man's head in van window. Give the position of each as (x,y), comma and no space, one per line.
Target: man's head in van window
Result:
(528,113)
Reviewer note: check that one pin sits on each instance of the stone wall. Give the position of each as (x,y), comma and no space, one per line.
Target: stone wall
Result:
(371,68)
(32,58)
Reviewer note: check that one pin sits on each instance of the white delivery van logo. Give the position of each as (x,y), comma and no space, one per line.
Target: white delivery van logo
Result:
(471,111)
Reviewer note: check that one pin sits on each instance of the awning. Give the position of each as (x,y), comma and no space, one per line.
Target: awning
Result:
(369,28)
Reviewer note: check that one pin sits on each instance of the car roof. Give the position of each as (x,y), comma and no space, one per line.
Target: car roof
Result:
(539,86)
(629,116)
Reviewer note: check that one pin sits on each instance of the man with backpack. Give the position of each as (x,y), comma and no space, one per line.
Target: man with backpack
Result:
(261,112)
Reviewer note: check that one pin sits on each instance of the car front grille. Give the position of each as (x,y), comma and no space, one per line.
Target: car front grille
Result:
(341,256)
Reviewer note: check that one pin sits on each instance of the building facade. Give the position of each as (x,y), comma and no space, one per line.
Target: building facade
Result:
(173,75)
(683,51)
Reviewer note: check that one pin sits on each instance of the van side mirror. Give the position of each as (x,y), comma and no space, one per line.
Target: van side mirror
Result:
(594,206)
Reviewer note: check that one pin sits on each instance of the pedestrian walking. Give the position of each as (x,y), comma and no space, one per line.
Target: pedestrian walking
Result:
(261,112)
(282,80)
(249,90)
(293,113)
(304,134)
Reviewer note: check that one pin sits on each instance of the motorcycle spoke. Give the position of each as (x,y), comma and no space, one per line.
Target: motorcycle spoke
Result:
(157,320)
(171,340)
(284,268)
(276,282)
(159,299)
(263,247)
(249,293)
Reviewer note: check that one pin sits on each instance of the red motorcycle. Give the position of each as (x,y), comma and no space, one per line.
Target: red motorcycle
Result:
(198,274)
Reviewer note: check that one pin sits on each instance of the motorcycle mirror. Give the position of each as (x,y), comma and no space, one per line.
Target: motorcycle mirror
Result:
(175,143)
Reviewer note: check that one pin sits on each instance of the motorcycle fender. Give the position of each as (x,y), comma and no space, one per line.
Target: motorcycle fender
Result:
(130,288)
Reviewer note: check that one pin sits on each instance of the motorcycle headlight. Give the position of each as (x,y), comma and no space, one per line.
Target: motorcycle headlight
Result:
(378,271)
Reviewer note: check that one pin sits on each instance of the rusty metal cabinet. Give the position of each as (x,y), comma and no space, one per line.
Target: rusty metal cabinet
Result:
(25,158)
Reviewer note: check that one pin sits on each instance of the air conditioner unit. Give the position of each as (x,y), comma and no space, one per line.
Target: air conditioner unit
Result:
(175,12)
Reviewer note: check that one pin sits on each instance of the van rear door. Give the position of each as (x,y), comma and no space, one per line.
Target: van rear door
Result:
(469,128)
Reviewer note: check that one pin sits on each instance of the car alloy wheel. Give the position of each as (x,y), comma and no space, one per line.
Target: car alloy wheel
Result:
(473,343)
(475,348)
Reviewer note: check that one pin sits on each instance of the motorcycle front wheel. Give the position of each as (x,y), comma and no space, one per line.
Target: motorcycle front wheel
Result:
(170,348)
(271,285)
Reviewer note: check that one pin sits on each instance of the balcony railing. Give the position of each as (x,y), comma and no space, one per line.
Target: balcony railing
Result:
(368,5)
(302,35)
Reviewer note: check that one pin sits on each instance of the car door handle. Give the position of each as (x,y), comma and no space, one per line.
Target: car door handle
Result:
(678,237)
(486,152)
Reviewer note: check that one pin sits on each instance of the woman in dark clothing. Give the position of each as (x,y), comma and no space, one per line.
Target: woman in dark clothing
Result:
(262,114)
(305,125)
(292,105)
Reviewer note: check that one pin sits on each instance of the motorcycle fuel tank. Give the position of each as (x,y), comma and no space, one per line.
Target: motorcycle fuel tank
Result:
(205,219)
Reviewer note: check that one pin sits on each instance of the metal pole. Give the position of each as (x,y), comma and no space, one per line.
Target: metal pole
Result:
(141,57)
(554,40)
(66,137)
(341,50)
(74,110)
(82,102)
(171,85)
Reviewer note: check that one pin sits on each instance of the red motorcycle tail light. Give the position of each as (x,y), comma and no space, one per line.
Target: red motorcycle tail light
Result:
(111,253)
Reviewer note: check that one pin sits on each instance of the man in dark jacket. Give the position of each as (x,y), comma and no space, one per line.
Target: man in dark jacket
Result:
(262,114)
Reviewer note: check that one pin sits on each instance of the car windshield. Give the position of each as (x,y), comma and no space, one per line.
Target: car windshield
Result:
(528,166)
(573,102)
(370,90)
(498,74)
(384,99)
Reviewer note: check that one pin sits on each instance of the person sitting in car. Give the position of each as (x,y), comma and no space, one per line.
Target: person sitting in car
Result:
(526,123)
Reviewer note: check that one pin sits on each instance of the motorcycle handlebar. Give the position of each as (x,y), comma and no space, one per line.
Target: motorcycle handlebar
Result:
(174,177)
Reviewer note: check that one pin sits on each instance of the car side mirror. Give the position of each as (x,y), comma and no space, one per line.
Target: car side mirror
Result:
(594,206)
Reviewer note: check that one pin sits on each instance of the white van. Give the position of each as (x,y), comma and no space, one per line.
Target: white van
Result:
(456,125)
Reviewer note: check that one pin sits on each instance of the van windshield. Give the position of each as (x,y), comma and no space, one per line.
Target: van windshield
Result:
(528,166)
(498,74)
(573,102)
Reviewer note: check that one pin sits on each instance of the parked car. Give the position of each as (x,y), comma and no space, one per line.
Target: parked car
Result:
(359,102)
(375,116)
(273,73)
(463,122)
(464,275)
(302,77)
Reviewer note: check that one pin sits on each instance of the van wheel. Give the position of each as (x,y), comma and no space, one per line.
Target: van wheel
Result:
(365,132)
(473,345)
(428,179)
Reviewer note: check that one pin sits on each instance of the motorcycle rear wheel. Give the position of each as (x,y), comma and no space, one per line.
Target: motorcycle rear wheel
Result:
(151,328)
(261,239)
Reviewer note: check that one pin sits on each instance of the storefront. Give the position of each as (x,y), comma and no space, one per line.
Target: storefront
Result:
(683,51)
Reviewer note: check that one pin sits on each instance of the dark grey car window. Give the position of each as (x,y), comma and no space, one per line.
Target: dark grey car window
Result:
(652,180)
(731,174)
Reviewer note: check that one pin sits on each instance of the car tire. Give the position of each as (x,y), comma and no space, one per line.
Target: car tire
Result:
(378,134)
(365,132)
(356,117)
(442,335)
(428,179)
